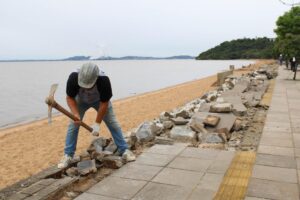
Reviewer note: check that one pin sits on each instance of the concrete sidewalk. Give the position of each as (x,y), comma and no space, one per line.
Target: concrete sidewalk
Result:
(276,171)
(169,172)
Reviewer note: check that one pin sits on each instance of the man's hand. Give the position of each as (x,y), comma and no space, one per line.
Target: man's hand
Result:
(77,122)
(96,129)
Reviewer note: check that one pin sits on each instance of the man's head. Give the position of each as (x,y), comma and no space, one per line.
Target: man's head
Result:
(88,74)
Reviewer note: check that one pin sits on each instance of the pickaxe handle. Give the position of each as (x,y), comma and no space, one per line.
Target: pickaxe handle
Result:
(58,107)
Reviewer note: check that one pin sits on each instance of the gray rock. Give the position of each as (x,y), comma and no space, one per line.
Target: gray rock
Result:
(112,147)
(204,107)
(145,132)
(98,144)
(196,124)
(163,140)
(221,108)
(87,166)
(182,133)
(157,128)
(113,162)
(212,96)
(179,121)
(213,138)
(164,116)
(168,124)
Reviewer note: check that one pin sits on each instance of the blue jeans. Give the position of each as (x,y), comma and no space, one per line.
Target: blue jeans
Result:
(110,121)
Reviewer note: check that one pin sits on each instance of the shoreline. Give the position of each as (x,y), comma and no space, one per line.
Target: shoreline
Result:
(29,148)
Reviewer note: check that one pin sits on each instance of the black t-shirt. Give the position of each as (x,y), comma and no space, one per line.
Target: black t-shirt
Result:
(103,85)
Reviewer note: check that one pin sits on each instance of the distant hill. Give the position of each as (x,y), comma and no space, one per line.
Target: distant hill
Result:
(258,48)
(78,58)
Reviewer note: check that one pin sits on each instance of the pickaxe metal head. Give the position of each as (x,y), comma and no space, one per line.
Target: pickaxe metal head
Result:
(50,101)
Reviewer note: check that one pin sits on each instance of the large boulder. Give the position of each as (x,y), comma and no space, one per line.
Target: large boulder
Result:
(145,132)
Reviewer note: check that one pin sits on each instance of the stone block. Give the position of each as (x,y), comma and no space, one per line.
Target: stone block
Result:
(163,141)
(183,134)
(178,177)
(211,120)
(168,124)
(179,121)
(213,138)
(113,162)
(87,166)
(137,172)
(221,108)
(116,187)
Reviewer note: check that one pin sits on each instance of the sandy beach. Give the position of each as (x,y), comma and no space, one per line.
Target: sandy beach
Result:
(30,148)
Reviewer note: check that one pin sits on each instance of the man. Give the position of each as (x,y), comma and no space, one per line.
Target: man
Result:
(90,88)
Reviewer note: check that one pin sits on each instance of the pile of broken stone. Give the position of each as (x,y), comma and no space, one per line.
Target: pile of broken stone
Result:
(204,122)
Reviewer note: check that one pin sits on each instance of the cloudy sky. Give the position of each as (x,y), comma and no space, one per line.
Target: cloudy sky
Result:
(61,28)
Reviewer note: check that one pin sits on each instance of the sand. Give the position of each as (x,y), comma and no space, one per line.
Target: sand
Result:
(30,148)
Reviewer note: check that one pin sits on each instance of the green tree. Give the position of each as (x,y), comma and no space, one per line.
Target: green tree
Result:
(288,33)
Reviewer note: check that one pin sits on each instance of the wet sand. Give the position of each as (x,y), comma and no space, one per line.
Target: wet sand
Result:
(30,148)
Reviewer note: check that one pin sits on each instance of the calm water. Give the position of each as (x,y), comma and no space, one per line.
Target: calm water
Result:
(24,85)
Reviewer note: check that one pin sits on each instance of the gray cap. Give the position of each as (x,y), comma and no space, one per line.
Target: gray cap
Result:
(88,74)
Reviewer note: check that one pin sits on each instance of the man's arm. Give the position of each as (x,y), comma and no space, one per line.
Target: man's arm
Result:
(101,111)
(73,107)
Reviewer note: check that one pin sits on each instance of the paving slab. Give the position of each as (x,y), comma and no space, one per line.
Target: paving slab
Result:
(211,181)
(178,177)
(154,159)
(200,153)
(273,150)
(279,142)
(117,187)
(255,198)
(275,134)
(88,196)
(167,149)
(137,171)
(272,190)
(275,173)
(219,166)
(225,155)
(203,194)
(276,161)
(192,164)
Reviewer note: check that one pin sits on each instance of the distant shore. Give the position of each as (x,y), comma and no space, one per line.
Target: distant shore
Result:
(29,148)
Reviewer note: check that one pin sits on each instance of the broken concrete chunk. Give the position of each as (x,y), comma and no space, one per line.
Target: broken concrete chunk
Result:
(179,121)
(183,113)
(196,124)
(145,133)
(112,147)
(113,162)
(211,120)
(98,144)
(87,166)
(163,140)
(237,125)
(73,171)
(183,134)
(168,124)
(221,108)
(85,156)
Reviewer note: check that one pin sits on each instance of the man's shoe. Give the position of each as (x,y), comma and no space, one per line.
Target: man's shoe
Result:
(64,162)
(128,156)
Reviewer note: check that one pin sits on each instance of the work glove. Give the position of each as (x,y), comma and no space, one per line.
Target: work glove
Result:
(96,129)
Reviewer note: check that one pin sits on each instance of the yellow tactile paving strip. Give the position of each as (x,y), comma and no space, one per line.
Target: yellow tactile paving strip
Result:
(235,182)
(268,95)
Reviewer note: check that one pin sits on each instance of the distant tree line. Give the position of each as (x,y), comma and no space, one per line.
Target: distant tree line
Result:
(246,48)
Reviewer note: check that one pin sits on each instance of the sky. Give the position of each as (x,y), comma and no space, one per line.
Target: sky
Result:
(51,29)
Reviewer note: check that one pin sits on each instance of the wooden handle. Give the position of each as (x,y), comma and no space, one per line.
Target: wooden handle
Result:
(58,107)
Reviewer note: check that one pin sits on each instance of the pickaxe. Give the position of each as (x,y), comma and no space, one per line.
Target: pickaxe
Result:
(53,104)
